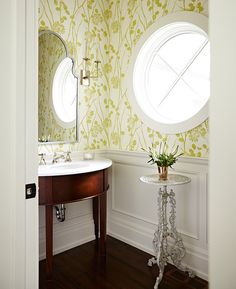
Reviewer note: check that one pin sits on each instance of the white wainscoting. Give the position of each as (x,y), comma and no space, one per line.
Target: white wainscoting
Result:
(132,209)
(132,206)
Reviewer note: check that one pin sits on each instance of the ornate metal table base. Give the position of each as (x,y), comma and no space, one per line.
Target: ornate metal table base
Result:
(166,231)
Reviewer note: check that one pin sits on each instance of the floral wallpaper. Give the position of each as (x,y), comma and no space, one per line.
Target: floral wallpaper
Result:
(78,23)
(112,29)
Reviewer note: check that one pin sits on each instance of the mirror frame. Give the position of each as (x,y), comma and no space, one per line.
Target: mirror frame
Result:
(41,32)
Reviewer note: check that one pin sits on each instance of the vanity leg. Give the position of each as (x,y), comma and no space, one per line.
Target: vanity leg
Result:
(49,241)
(95,216)
(103,223)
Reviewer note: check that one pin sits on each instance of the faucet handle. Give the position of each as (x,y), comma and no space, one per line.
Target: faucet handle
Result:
(54,158)
(42,159)
(68,157)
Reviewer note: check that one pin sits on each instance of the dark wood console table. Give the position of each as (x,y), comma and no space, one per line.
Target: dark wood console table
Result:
(55,190)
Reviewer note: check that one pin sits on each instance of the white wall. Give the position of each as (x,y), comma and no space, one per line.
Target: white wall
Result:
(132,210)
(222,201)
(8,139)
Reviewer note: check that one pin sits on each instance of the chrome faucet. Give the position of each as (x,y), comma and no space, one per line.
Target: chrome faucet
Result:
(65,156)
(57,156)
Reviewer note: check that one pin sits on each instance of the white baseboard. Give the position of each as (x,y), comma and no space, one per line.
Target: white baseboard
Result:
(196,258)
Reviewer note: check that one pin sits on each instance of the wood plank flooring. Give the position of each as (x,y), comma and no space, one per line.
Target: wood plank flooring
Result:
(124,267)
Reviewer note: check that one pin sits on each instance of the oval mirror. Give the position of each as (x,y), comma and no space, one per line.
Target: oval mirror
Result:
(58,91)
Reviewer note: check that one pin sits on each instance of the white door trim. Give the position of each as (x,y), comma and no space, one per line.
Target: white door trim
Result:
(31,113)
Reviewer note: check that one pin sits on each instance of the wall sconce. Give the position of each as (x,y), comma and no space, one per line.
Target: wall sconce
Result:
(85,74)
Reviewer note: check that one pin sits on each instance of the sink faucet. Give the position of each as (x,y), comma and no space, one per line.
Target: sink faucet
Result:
(57,156)
(65,156)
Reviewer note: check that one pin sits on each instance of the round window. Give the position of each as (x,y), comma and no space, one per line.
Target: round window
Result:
(64,93)
(170,76)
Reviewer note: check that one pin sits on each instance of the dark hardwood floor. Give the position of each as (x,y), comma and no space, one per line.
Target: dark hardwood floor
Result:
(124,267)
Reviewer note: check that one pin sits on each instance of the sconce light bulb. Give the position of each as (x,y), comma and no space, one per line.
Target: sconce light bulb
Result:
(84,77)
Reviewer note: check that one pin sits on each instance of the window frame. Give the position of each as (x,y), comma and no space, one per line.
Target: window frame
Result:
(196,19)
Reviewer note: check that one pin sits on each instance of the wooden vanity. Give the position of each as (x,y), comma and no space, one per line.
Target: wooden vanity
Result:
(64,189)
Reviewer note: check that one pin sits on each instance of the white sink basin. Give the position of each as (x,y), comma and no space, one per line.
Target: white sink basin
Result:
(74,167)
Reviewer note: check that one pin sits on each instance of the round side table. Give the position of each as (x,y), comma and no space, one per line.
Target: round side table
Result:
(166,227)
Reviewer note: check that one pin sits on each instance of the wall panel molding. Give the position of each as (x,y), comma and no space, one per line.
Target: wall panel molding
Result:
(154,221)
(129,222)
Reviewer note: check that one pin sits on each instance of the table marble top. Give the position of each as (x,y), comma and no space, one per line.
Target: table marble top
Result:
(173,180)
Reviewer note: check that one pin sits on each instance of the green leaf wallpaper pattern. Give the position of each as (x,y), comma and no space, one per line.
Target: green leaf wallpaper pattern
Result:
(113,28)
